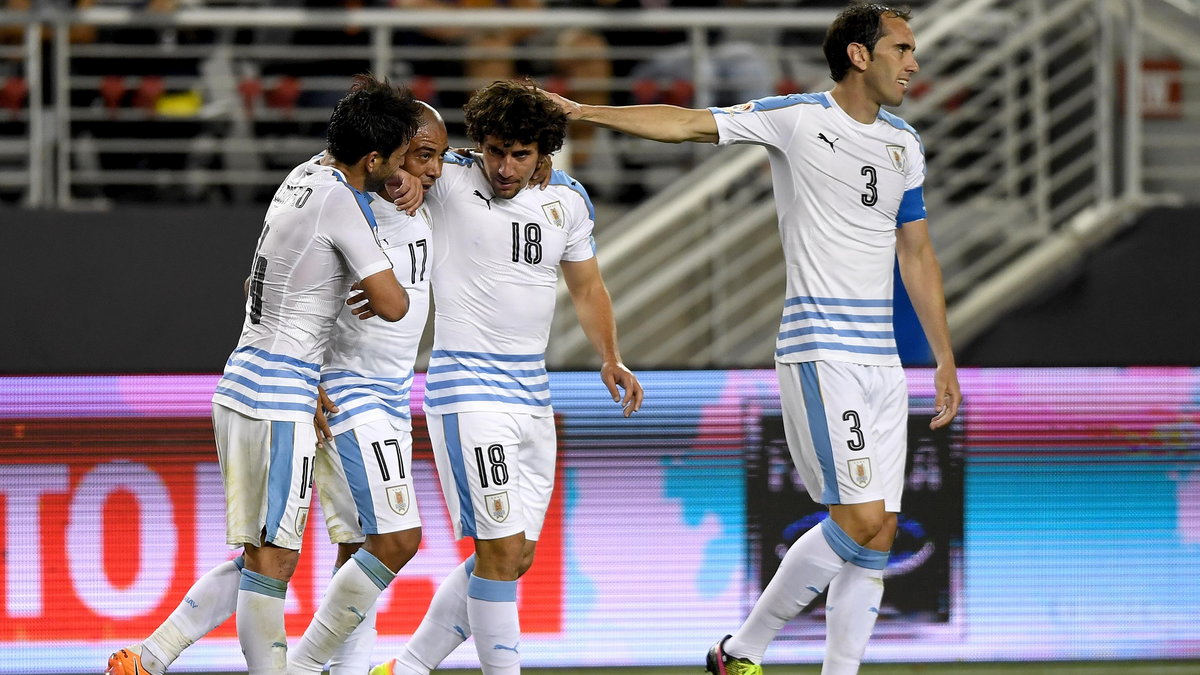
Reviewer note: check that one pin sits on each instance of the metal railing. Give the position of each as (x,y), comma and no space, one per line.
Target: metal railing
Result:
(211,104)
(1035,156)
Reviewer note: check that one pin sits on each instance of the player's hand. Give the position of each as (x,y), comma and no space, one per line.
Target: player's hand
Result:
(405,191)
(325,407)
(541,175)
(571,108)
(360,302)
(614,374)
(947,395)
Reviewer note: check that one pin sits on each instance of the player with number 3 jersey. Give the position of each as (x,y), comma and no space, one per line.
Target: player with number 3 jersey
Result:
(848,180)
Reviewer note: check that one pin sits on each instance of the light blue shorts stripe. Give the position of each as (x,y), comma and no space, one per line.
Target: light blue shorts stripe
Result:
(818,426)
(466,508)
(350,453)
(279,476)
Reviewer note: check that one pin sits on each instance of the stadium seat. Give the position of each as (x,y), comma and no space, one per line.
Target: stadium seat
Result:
(284,94)
(149,89)
(251,90)
(14,93)
(112,90)
(423,88)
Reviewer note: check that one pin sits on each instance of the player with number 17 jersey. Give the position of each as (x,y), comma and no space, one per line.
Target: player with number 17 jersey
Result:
(495,276)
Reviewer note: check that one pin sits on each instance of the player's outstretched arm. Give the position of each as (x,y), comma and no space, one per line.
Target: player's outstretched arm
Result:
(923,279)
(379,295)
(593,306)
(666,123)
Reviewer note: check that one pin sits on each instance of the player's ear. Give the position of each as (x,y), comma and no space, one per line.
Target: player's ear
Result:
(859,55)
(372,160)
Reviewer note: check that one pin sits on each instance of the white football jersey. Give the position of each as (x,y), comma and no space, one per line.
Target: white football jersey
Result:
(841,189)
(494,275)
(318,237)
(369,366)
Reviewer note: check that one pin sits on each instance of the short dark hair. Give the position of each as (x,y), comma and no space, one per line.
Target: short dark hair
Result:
(373,116)
(861,22)
(515,112)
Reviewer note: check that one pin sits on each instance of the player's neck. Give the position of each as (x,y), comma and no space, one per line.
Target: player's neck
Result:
(355,174)
(851,97)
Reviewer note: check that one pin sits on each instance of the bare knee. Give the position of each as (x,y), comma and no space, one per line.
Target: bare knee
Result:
(867,524)
(500,559)
(394,549)
(271,561)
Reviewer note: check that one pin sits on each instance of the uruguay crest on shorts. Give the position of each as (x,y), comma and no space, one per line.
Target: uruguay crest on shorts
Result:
(860,471)
(497,506)
(398,499)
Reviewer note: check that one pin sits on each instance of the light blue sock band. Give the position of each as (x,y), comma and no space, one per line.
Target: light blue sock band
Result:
(840,542)
(262,584)
(491,589)
(871,559)
(379,574)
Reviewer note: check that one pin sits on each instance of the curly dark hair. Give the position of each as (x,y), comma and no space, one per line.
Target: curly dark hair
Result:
(373,116)
(515,112)
(862,23)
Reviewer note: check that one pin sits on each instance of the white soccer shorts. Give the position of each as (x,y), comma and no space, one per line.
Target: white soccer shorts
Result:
(267,466)
(364,479)
(496,471)
(847,429)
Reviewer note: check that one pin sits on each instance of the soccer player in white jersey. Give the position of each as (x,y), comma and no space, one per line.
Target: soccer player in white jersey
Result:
(498,249)
(318,238)
(848,182)
(364,468)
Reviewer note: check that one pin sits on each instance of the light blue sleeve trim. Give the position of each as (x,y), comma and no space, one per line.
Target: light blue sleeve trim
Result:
(491,589)
(455,158)
(375,570)
(262,584)
(773,103)
(912,206)
(561,178)
(469,566)
(900,124)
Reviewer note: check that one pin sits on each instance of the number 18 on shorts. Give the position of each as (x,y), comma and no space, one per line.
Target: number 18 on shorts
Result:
(496,470)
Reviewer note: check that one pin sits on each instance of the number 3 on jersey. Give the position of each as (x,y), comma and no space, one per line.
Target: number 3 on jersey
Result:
(530,243)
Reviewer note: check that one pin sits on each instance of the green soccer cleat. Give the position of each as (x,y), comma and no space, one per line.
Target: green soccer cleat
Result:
(719,663)
(385,668)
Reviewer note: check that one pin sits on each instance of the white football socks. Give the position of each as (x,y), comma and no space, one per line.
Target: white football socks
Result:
(207,604)
(850,613)
(354,656)
(804,572)
(492,610)
(260,623)
(350,595)
(444,627)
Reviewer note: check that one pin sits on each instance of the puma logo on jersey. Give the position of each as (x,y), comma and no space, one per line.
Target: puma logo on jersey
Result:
(485,199)
(822,137)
